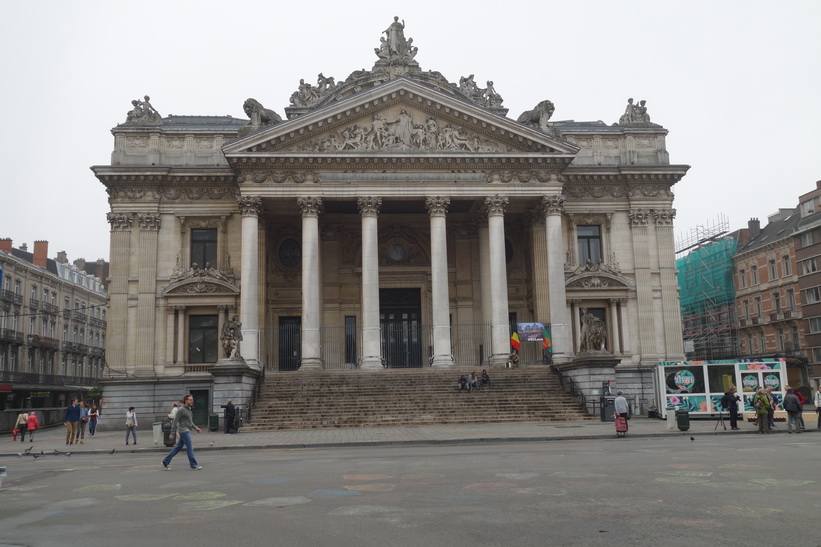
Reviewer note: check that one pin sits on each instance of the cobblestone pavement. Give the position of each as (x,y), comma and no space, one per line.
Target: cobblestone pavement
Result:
(49,440)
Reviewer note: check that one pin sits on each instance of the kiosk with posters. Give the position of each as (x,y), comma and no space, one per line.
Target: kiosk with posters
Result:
(698,386)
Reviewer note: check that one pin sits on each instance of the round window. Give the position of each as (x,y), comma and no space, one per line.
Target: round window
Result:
(397,252)
(290,253)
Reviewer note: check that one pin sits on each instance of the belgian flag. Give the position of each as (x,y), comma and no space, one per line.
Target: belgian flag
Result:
(547,343)
(514,341)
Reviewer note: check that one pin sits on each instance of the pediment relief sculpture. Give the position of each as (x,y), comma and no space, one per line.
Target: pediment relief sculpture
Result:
(196,280)
(405,131)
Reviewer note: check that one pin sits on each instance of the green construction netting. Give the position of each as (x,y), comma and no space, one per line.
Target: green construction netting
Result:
(705,276)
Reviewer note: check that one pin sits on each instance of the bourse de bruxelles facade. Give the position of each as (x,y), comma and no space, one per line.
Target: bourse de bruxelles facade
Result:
(394,219)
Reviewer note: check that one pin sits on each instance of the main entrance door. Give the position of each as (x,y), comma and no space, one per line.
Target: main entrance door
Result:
(399,315)
(290,348)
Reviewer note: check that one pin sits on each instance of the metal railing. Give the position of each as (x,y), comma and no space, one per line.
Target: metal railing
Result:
(569,385)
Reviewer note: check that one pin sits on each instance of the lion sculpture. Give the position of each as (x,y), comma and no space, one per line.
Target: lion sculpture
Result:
(539,116)
(259,114)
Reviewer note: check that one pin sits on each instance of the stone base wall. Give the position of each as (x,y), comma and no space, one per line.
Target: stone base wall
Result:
(637,384)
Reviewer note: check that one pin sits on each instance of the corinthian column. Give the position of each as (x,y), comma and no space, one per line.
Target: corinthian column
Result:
(437,209)
(250,208)
(500,328)
(311,312)
(371,342)
(561,339)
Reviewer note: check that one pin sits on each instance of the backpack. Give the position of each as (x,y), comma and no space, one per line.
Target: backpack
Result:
(758,403)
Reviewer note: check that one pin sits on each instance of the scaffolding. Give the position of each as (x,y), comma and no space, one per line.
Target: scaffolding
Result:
(707,292)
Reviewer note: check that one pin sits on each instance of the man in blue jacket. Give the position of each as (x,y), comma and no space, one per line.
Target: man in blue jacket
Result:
(72,419)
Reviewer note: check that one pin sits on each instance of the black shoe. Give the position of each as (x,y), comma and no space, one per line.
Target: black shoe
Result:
(166,466)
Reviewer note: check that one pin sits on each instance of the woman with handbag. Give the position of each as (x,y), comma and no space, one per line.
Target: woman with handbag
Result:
(131,424)
(93,414)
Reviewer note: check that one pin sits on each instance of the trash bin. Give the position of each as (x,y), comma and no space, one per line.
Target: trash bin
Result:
(608,407)
(156,428)
(682,419)
(166,434)
(213,422)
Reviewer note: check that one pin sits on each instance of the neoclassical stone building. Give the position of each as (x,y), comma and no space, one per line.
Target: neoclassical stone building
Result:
(393,219)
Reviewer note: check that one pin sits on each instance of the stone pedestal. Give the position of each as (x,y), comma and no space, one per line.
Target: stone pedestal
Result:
(589,371)
(233,379)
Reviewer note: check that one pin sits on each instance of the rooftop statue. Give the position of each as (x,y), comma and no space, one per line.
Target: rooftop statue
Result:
(538,117)
(143,113)
(259,114)
(636,114)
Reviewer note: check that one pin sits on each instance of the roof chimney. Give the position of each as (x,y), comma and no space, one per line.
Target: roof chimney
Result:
(62,257)
(40,253)
(755,227)
(23,247)
(5,244)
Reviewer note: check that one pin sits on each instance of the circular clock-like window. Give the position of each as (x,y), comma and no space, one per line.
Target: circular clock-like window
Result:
(397,252)
(290,253)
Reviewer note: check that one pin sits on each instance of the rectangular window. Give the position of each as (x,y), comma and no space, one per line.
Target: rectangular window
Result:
(806,239)
(807,208)
(780,339)
(776,302)
(742,278)
(589,240)
(815,324)
(204,247)
(786,265)
(762,343)
(17,287)
(350,339)
(808,266)
(796,343)
(758,306)
(813,295)
(754,275)
(773,270)
(790,299)
(746,311)
(203,339)
(816,354)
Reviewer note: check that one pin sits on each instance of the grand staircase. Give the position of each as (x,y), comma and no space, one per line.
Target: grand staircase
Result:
(306,400)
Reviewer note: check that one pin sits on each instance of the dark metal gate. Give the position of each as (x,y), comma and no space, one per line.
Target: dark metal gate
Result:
(399,315)
(290,343)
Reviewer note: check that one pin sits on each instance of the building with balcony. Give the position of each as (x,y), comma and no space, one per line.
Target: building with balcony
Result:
(808,268)
(52,328)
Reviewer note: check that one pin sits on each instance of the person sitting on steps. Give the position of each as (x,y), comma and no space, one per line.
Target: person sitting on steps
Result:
(485,379)
(462,382)
(473,381)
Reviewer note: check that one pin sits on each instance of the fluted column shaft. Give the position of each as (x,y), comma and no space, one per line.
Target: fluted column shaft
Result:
(560,333)
(437,209)
(182,356)
(249,297)
(311,309)
(500,328)
(371,336)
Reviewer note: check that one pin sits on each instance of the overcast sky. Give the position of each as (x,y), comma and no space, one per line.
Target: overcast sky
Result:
(736,83)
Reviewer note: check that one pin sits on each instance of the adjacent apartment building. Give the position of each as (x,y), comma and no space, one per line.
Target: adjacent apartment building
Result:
(808,259)
(52,328)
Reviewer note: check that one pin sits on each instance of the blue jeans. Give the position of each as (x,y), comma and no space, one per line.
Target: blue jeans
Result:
(184,440)
(131,430)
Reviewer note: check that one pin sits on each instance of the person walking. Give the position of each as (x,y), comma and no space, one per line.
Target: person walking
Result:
(793,407)
(80,434)
(730,402)
(72,418)
(32,425)
(93,414)
(182,425)
(761,404)
(768,391)
(22,425)
(131,424)
(816,400)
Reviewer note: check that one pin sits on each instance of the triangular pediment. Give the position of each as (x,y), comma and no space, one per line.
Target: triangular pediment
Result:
(398,117)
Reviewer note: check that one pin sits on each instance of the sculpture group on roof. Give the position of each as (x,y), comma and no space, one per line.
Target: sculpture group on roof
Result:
(143,113)
(635,113)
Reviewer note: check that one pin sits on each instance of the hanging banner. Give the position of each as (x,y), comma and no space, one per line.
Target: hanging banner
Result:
(530,332)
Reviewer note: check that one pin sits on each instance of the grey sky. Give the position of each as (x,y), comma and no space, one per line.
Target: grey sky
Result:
(735,82)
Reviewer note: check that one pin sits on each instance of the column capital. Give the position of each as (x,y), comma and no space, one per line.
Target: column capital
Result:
(639,217)
(171,310)
(120,222)
(222,308)
(310,206)
(369,206)
(179,308)
(664,217)
(149,221)
(249,206)
(496,205)
(552,205)
(437,206)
